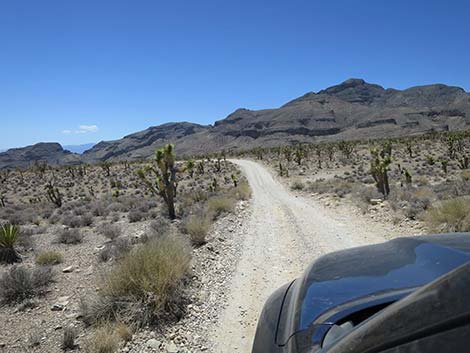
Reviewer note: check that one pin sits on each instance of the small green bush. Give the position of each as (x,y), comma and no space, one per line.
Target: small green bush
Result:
(450,216)
(50,257)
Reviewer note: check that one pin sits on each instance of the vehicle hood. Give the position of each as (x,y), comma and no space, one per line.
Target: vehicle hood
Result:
(349,275)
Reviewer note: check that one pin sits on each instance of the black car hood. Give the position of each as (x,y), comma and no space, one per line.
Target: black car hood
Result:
(348,275)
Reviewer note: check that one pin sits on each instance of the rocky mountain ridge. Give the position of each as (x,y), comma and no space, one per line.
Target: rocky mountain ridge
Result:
(353,109)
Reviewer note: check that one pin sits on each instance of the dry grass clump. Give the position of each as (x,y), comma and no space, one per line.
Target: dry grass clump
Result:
(50,257)
(144,285)
(220,204)
(197,226)
(104,340)
(450,216)
(19,283)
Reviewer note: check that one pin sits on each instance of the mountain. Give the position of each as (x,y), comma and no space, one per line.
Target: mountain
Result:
(353,109)
(79,148)
(24,157)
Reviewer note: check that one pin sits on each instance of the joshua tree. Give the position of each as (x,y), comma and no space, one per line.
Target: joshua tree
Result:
(53,194)
(299,154)
(106,167)
(189,167)
(234,179)
(164,171)
(408,177)
(463,162)
(409,148)
(379,167)
(444,164)
(200,167)
(347,148)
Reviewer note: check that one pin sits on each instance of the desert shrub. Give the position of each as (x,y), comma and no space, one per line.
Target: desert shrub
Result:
(152,274)
(104,340)
(70,236)
(86,220)
(334,186)
(9,235)
(220,204)
(158,228)
(49,257)
(412,201)
(197,227)
(98,209)
(297,185)
(115,249)
(242,191)
(450,216)
(110,231)
(20,283)
(135,216)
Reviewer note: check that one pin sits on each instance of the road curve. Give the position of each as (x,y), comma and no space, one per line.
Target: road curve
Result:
(285,234)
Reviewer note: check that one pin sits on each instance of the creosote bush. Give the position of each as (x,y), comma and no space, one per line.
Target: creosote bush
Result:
(450,216)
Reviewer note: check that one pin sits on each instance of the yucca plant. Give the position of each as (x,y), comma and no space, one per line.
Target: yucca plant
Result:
(8,238)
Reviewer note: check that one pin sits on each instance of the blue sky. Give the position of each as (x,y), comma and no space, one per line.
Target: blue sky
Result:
(85,71)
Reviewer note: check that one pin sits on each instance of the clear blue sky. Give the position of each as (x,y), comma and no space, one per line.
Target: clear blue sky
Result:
(90,70)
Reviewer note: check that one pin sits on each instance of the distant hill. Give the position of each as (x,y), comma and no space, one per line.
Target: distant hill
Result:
(24,157)
(79,148)
(353,109)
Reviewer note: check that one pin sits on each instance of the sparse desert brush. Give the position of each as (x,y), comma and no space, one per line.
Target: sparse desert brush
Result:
(152,274)
(49,258)
(19,283)
(450,216)
(197,227)
(220,204)
(9,235)
(70,236)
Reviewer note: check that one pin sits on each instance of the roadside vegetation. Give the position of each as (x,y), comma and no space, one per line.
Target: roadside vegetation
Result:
(112,244)
(423,179)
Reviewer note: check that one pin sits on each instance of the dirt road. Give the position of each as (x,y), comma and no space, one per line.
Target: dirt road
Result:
(285,234)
